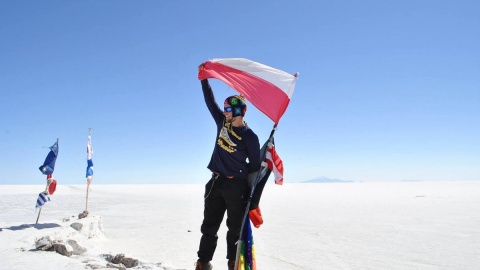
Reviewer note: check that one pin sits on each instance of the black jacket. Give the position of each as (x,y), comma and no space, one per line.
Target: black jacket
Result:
(233,145)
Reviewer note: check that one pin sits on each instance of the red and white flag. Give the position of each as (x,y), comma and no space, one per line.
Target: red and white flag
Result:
(267,88)
(275,164)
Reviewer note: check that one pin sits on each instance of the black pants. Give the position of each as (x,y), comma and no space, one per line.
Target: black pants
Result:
(222,194)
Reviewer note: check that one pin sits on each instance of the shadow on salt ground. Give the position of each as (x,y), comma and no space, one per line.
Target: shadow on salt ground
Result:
(36,226)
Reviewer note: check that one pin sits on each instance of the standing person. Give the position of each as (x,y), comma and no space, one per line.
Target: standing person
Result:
(228,188)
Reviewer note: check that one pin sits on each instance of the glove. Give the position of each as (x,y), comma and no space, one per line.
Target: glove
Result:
(256,217)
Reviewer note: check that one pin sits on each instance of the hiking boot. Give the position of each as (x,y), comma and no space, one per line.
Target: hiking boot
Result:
(203,265)
(231,265)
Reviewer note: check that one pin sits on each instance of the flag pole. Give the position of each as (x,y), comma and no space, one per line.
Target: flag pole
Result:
(49,175)
(86,204)
(39,211)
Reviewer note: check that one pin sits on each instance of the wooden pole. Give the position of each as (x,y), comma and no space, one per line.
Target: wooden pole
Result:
(40,211)
(88,154)
(86,205)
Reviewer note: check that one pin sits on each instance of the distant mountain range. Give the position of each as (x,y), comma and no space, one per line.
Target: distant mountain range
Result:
(324,179)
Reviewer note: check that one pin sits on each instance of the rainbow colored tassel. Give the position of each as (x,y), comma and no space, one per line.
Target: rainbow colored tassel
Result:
(246,257)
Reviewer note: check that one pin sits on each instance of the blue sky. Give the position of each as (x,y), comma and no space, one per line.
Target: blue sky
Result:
(388,90)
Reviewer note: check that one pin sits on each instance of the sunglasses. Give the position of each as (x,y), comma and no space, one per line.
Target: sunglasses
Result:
(227,109)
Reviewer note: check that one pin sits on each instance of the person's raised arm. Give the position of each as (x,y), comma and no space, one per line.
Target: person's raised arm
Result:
(212,105)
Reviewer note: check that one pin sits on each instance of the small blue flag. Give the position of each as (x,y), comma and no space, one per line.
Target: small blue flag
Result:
(49,163)
(89,168)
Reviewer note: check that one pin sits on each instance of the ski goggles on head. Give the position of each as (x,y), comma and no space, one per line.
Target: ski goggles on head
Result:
(227,109)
